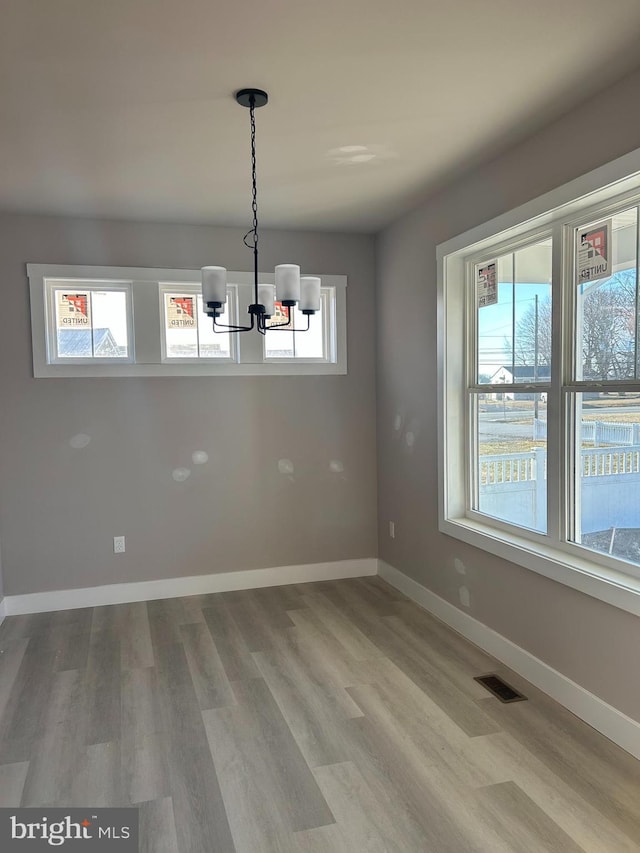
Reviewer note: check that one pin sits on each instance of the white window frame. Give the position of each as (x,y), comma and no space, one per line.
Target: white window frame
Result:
(147,321)
(51,285)
(603,191)
(165,287)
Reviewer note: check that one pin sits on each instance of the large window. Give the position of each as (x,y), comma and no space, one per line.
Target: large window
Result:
(540,394)
(112,321)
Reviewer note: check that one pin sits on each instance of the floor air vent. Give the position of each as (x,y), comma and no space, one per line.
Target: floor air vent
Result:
(499,688)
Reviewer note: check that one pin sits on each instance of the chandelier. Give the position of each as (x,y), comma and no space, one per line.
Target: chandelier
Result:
(290,288)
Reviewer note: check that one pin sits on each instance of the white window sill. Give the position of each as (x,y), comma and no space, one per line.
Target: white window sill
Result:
(189,368)
(616,588)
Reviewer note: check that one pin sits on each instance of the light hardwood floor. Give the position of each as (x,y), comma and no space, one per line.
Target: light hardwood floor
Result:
(333,717)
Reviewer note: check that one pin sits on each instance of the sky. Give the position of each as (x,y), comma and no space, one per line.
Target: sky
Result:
(495,322)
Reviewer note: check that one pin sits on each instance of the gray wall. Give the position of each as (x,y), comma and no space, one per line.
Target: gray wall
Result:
(591,642)
(60,507)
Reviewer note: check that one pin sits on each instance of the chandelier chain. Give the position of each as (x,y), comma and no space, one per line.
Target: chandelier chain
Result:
(254,183)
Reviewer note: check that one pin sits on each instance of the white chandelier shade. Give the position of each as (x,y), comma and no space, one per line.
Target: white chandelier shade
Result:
(267,298)
(290,289)
(214,285)
(309,294)
(288,283)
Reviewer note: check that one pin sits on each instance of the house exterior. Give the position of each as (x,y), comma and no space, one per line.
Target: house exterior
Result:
(78,343)
(520,374)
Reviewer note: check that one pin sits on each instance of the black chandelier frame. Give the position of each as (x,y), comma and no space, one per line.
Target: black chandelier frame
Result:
(253,99)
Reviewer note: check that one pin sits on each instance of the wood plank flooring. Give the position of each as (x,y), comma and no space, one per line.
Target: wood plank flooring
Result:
(333,717)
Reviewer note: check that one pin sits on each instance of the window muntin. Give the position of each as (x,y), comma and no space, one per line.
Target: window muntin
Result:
(88,321)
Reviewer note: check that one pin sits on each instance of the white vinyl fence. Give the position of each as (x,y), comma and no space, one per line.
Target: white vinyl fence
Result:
(513,486)
(599,432)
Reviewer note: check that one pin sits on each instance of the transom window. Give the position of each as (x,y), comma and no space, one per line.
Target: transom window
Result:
(88,321)
(112,321)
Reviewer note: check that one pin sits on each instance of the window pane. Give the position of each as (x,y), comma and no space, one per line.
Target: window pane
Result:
(511,441)
(606,307)
(607,473)
(181,325)
(303,344)
(309,344)
(91,323)
(279,344)
(213,344)
(73,323)
(189,332)
(514,333)
(110,339)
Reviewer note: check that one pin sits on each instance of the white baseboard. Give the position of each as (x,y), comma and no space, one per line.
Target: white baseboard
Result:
(3,609)
(124,593)
(606,719)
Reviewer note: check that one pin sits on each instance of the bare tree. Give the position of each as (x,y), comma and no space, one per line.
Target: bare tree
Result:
(525,342)
(608,312)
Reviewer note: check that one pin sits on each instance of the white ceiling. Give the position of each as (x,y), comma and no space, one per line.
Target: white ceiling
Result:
(124,108)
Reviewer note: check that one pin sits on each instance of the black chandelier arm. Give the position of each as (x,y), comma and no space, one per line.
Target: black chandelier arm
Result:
(225,328)
(286,327)
(263,328)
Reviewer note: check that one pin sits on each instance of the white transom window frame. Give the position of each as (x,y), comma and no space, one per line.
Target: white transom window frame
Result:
(607,188)
(111,285)
(147,355)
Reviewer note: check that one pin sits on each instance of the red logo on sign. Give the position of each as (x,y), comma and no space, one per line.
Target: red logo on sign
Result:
(77,302)
(184,305)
